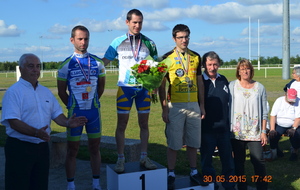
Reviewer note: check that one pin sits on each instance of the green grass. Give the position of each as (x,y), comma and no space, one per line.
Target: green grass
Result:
(285,174)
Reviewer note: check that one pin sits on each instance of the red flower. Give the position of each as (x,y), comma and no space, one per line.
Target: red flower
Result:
(143,67)
(143,62)
(161,69)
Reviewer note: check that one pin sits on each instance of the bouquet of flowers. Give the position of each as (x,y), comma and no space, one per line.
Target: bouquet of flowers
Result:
(150,74)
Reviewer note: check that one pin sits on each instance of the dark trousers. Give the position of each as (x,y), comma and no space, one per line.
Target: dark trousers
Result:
(295,140)
(209,141)
(239,151)
(26,165)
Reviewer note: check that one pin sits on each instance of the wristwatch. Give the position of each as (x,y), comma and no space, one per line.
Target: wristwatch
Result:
(295,128)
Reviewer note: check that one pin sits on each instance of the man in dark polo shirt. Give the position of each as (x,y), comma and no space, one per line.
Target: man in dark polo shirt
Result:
(215,125)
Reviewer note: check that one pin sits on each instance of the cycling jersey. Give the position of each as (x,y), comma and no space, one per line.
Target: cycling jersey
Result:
(81,71)
(183,83)
(122,48)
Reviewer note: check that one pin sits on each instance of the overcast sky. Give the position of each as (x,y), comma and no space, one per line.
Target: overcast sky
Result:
(43,27)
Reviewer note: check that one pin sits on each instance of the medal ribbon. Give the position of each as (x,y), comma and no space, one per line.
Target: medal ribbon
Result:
(185,67)
(135,50)
(86,76)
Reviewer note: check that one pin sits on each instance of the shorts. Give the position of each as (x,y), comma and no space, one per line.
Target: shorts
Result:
(126,95)
(93,127)
(184,126)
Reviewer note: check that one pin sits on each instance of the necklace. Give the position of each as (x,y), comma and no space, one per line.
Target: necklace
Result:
(86,76)
(135,49)
(185,66)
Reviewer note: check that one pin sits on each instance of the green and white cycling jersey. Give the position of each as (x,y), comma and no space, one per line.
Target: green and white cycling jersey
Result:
(130,50)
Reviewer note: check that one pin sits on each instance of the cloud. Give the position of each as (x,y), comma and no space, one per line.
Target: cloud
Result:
(102,26)
(59,29)
(265,30)
(296,31)
(9,31)
(268,30)
(156,4)
(230,12)
(83,4)
(254,2)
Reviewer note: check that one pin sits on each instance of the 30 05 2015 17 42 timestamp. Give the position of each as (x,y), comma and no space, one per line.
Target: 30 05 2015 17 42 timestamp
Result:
(236,178)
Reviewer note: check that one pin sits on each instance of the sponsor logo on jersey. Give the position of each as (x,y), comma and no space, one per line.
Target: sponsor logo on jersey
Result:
(179,72)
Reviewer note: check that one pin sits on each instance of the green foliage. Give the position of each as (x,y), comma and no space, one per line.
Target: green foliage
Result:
(8,66)
(50,65)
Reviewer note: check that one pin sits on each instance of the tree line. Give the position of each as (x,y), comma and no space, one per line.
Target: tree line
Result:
(11,66)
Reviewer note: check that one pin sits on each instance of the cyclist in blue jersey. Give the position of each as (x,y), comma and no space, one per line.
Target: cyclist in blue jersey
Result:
(83,75)
(131,48)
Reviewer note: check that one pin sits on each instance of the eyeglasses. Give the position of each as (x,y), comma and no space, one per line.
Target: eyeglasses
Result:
(245,69)
(183,37)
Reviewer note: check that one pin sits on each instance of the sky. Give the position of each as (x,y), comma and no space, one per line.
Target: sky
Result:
(43,27)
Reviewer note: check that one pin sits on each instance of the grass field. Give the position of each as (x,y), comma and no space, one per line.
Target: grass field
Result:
(285,174)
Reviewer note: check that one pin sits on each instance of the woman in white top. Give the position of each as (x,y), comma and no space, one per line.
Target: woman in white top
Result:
(248,123)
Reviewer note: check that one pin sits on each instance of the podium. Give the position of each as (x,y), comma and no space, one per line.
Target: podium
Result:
(136,177)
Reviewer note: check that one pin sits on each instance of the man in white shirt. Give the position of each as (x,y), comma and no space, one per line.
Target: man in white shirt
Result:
(285,118)
(27,111)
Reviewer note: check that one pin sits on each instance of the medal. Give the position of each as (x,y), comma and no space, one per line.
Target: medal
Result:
(187,80)
(185,66)
(86,76)
(135,50)
(88,88)
(190,84)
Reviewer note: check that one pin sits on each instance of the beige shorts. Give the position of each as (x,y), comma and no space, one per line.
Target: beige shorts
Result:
(184,126)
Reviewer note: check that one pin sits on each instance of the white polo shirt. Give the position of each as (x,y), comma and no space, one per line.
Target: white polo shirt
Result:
(36,107)
(285,113)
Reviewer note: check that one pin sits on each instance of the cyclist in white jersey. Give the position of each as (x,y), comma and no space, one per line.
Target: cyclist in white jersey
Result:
(83,74)
(130,49)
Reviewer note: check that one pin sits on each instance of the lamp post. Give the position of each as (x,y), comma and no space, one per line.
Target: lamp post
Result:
(286,40)
(42,67)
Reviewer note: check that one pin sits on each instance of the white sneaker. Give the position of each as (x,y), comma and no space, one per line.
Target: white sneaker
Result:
(147,163)
(119,167)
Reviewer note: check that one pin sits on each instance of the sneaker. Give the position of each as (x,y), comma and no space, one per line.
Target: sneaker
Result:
(216,153)
(119,167)
(147,163)
(279,153)
(198,179)
(293,157)
(171,182)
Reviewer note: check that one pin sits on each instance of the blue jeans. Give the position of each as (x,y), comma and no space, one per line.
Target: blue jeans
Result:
(256,150)
(209,141)
(295,140)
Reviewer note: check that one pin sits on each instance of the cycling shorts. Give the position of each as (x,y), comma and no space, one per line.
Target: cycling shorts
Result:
(92,127)
(126,95)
